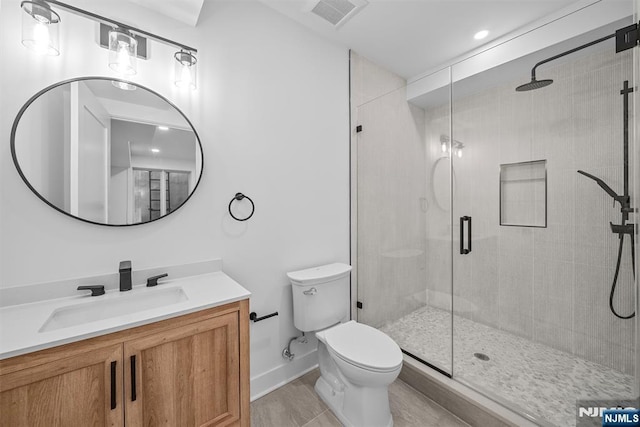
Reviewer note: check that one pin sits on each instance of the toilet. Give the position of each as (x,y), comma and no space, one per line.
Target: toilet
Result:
(357,362)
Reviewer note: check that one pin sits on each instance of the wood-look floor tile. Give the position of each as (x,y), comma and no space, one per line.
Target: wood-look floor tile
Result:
(410,408)
(297,404)
(326,419)
(310,378)
(290,406)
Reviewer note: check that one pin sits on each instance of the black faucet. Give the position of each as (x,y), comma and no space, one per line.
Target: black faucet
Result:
(153,281)
(125,276)
(96,290)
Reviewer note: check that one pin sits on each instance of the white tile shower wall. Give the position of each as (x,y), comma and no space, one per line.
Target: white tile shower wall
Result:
(271,110)
(547,284)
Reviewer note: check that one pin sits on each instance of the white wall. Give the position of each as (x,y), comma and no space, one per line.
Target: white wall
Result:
(271,110)
(41,155)
(118,194)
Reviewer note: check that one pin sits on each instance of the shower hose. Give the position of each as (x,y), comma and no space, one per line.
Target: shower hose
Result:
(615,276)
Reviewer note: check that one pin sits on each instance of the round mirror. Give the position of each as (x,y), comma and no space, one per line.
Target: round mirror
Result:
(106,151)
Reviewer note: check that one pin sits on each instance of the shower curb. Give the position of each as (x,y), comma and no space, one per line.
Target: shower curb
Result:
(441,390)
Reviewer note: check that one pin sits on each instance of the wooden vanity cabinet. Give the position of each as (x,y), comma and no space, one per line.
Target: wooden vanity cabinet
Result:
(192,370)
(84,389)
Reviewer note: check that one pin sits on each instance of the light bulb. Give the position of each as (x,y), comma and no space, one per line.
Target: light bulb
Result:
(459,152)
(123,64)
(185,76)
(40,31)
(41,38)
(122,52)
(185,69)
(444,147)
(123,85)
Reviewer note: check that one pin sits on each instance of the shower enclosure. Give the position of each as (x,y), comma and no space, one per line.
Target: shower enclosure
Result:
(494,218)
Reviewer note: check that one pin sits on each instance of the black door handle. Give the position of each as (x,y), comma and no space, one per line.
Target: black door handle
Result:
(133,378)
(113,385)
(463,250)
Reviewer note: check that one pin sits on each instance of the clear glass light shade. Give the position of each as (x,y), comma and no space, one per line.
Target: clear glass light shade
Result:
(122,52)
(185,70)
(40,29)
(123,85)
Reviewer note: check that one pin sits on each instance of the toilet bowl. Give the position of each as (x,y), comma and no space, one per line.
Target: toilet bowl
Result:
(357,365)
(357,362)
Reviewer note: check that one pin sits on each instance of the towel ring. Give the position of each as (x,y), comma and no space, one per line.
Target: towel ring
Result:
(240,196)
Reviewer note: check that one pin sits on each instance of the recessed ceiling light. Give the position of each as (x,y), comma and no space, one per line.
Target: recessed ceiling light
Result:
(155,150)
(481,34)
(163,127)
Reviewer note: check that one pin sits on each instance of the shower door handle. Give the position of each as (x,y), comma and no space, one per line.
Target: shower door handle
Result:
(463,250)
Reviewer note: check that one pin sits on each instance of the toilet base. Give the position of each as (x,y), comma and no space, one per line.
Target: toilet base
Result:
(335,401)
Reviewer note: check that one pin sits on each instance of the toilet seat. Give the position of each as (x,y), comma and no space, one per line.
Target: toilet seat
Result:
(364,346)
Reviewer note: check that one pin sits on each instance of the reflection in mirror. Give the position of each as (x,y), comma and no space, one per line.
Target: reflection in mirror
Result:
(106,155)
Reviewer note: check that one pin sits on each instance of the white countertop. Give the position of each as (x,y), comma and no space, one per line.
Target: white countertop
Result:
(20,325)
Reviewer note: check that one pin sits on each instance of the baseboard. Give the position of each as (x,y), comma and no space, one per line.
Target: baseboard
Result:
(283,374)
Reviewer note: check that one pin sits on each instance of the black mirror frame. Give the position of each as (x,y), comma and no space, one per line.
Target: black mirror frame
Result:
(78,79)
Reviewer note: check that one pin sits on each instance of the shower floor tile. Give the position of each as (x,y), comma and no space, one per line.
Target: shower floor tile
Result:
(538,379)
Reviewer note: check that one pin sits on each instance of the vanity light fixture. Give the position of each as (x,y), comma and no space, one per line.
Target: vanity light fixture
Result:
(123,48)
(185,69)
(456,146)
(40,29)
(123,85)
(40,33)
(155,150)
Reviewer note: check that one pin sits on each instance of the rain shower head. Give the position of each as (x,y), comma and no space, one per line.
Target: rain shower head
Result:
(537,84)
(534,84)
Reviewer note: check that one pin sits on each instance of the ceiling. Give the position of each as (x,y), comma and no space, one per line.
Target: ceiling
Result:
(140,138)
(410,37)
(186,11)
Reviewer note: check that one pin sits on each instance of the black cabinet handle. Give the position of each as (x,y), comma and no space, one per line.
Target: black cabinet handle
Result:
(133,378)
(113,385)
(463,250)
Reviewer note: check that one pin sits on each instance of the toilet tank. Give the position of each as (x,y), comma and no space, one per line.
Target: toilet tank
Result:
(320,296)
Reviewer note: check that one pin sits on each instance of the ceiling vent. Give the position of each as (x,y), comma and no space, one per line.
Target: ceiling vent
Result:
(336,12)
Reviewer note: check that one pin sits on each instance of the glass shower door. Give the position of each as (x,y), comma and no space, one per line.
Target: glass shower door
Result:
(537,234)
(403,222)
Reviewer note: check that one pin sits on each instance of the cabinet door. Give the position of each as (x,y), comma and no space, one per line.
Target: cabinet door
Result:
(186,376)
(82,390)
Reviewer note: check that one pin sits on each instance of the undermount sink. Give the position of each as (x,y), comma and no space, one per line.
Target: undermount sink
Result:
(121,304)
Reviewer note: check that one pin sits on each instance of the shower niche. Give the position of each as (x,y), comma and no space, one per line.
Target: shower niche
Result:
(523,194)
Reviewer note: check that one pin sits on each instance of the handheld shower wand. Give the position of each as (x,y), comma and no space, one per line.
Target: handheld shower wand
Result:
(625,206)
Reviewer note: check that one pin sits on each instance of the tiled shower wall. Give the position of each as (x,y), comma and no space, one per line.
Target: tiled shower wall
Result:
(549,284)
